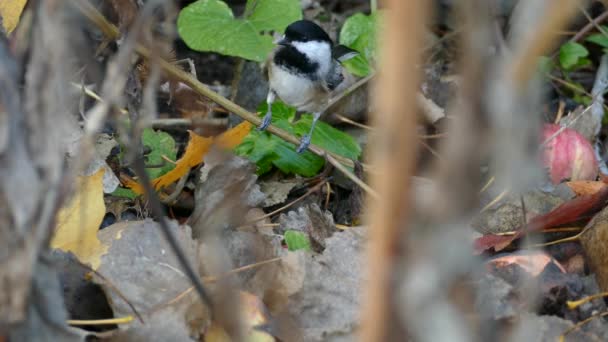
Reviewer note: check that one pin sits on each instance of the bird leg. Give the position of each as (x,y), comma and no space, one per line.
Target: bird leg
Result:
(268,117)
(306,139)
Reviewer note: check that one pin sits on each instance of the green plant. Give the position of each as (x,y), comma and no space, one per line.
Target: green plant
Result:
(268,150)
(571,57)
(159,147)
(296,240)
(359,32)
(210,25)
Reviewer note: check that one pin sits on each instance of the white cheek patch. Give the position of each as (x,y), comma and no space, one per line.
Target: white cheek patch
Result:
(319,52)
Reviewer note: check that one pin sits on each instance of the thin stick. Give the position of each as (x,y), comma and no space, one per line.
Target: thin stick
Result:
(216,278)
(213,279)
(433,136)
(432,150)
(157,210)
(560,111)
(487,185)
(352,176)
(109,321)
(170,200)
(328,196)
(573,304)
(113,288)
(347,91)
(354,123)
(495,200)
(578,325)
(598,20)
(310,191)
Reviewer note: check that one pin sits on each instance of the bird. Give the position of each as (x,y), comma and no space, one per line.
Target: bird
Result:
(304,71)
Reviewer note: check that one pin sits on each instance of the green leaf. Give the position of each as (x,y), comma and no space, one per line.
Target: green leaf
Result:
(329,138)
(273,15)
(599,38)
(124,192)
(570,54)
(160,144)
(359,32)
(209,25)
(267,150)
(297,240)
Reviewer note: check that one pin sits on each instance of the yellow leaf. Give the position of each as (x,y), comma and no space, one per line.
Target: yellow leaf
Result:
(234,136)
(78,221)
(10,11)
(195,152)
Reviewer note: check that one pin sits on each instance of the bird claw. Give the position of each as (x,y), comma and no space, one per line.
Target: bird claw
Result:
(265,122)
(304,143)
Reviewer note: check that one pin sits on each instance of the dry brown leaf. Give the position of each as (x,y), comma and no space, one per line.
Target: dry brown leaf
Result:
(10,11)
(78,221)
(195,152)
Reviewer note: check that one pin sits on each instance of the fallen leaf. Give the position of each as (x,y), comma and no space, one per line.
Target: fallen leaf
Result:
(78,221)
(584,187)
(10,11)
(234,136)
(579,208)
(195,152)
(532,262)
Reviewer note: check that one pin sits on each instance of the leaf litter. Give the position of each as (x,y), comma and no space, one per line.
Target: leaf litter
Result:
(292,275)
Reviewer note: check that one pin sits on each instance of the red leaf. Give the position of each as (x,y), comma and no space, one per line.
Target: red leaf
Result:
(579,208)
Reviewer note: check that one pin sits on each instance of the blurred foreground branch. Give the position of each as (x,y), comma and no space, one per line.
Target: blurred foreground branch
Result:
(393,152)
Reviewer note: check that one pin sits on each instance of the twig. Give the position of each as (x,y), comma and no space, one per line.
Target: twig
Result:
(270,214)
(170,200)
(598,20)
(578,325)
(495,200)
(560,111)
(347,92)
(573,304)
(432,150)
(109,321)
(114,288)
(433,136)
(213,279)
(562,128)
(173,122)
(328,196)
(157,210)
(354,123)
(352,176)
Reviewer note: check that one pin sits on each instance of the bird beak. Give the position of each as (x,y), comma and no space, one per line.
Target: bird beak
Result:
(282,41)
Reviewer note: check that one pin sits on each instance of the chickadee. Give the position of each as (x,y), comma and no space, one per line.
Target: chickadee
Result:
(304,71)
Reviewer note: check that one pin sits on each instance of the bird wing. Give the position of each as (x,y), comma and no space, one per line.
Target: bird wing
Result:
(334,77)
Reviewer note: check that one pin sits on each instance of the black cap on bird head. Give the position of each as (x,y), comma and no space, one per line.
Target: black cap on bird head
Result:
(305,31)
